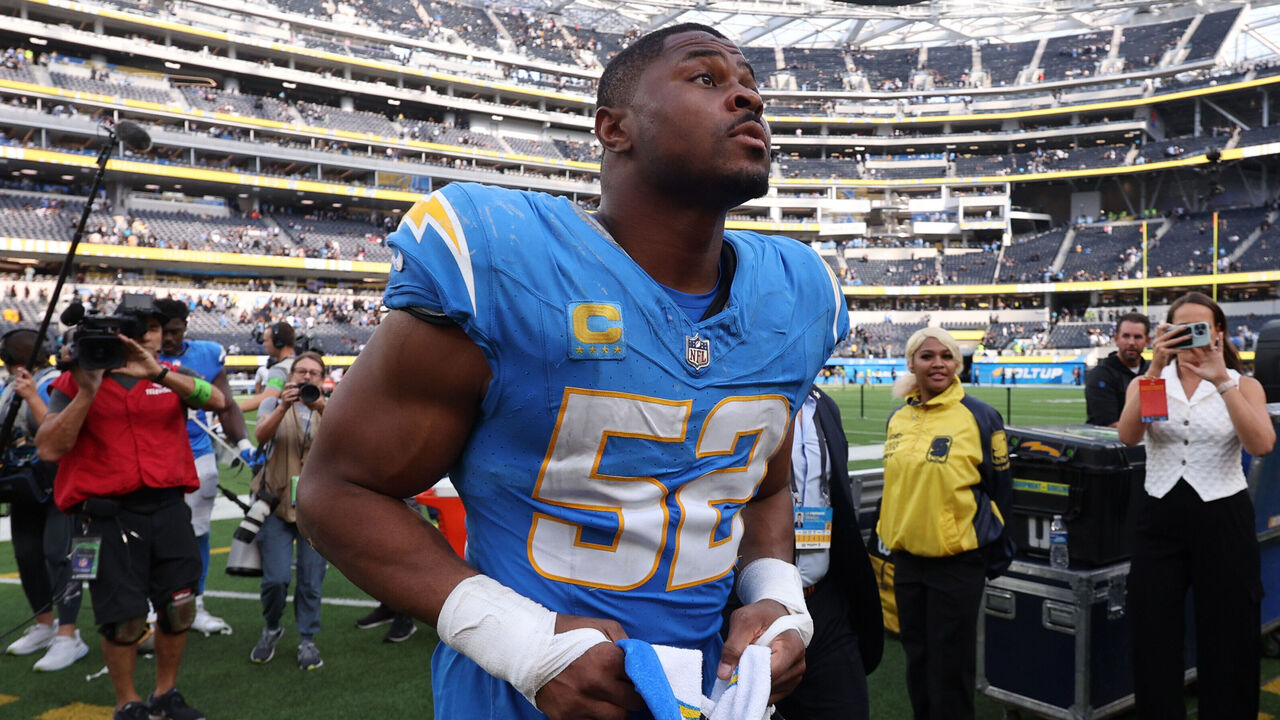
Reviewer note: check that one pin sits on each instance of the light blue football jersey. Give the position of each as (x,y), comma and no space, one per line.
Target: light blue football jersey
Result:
(206,359)
(618,439)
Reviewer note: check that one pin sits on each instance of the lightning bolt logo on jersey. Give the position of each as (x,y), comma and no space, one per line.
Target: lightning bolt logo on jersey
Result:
(618,439)
(205,358)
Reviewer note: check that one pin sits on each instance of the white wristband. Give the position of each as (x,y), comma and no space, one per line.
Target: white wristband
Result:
(512,637)
(244,444)
(777,580)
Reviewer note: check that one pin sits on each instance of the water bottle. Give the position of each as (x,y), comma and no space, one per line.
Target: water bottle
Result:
(1058,556)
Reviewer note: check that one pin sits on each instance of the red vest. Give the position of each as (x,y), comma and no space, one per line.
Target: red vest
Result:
(129,439)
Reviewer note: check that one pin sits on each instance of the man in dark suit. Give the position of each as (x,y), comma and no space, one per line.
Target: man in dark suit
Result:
(839,585)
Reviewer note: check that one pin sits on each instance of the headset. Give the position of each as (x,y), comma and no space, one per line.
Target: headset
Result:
(50,347)
(277,331)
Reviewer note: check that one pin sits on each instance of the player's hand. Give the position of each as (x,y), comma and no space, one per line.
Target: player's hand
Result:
(786,665)
(138,362)
(23,383)
(595,685)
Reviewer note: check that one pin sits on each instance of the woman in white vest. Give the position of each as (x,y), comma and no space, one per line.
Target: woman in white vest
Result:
(1195,527)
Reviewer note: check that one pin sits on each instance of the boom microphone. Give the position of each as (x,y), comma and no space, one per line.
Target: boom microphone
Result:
(73,314)
(134,136)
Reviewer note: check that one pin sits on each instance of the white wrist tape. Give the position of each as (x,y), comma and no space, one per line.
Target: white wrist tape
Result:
(244,444)
(777,580)
(512,637)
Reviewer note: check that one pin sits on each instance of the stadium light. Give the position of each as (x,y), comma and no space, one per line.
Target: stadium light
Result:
(172,65)
(392,101)
(37,41)
(288,85)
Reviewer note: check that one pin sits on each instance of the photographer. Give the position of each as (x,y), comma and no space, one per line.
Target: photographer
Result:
(286,426)
(124,464)
(41,532)
(279,341)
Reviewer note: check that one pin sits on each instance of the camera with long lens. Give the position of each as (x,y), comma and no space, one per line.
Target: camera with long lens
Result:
(245,560)
(95,341)
(263,505)
(308,393)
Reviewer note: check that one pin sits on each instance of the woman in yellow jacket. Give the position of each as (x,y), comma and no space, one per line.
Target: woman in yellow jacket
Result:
(946,481)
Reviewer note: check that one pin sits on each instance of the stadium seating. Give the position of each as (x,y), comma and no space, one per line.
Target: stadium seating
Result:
(1208,38)
(949,64)
(80,83)
(886,69)
(1003,61)
(973,268)
(1099,252)
(1074,55)
(817,68)
(1029,258)
(1077,335)
(1144,45)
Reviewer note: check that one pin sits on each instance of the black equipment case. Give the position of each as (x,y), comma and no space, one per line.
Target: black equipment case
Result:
(1083,473)
(1057,642)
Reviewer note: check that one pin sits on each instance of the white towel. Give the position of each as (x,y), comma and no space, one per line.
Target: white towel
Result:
(745,696)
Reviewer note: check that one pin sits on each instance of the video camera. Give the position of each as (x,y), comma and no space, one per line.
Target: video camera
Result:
(95,343)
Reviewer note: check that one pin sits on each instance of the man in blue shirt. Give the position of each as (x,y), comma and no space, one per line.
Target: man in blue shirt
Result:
(611,396)
(206,359)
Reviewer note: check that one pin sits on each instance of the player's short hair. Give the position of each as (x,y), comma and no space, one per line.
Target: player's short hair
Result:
(310,355)
(1134,317)
(282,332)
(173,309)
(618,82)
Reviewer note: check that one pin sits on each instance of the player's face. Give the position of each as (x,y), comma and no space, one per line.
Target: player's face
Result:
(1131,340)
(153,337)
(698,125)
(934,367)
(174,332)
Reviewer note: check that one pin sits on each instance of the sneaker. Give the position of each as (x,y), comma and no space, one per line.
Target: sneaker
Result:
(62,653)
(266,647)
(132,711)
(207,623)
(35,638)
(380,615)
(172,706)
(401,629)
(308,656)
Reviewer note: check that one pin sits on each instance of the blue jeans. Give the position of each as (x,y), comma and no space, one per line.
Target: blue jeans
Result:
(276,541)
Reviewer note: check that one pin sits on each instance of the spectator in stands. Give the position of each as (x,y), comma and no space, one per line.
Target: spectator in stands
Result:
(287,423)
(945,460)
(1107,382)
(1195,523)
(278,340)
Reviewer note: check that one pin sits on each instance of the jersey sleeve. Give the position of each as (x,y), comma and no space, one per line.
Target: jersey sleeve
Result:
(434,256)
(277,376)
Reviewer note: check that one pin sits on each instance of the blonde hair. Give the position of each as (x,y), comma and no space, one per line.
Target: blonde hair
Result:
(906,382)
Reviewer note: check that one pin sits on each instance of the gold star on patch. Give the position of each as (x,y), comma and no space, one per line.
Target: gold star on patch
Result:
(579,350)
(591,350)
(617,350)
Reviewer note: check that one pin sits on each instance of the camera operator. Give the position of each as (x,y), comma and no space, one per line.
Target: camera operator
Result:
(41,532)
(279,340)
(124,464)
(206,359)
(286,426)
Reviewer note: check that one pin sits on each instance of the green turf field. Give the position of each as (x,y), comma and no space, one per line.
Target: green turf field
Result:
(365,678)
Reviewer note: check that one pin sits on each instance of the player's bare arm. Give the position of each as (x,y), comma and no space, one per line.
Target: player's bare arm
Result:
(400,419)
(397,422)
(768,532)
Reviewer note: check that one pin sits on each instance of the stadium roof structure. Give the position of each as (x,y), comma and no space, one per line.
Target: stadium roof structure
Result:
(828,23)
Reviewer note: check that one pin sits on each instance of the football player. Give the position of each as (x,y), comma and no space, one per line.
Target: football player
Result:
(609,394)
(206,358)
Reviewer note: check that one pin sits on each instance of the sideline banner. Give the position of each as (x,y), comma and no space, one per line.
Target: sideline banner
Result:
(1021,371)
(862,371)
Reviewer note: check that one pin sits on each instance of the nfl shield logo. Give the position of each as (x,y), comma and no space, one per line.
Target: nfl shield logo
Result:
(697,351)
